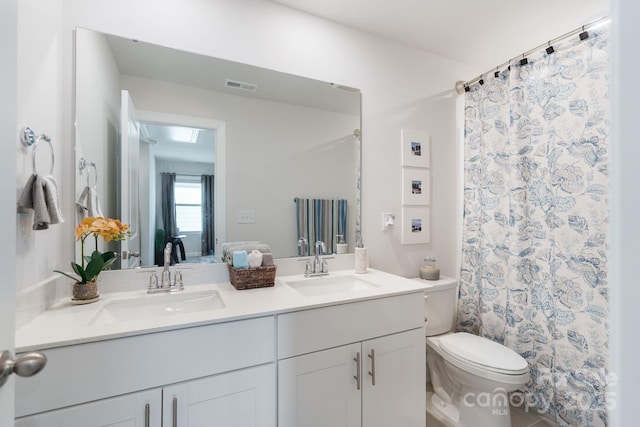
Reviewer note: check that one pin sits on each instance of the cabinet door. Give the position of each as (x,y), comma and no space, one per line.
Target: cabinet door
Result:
(319,389)
(123,411)
(243,398)
(398,396)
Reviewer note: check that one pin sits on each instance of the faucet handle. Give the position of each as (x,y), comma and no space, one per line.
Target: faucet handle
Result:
(178,280)
(302,246)
(153,280)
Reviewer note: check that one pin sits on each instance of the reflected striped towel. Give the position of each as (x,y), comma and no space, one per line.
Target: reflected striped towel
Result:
(321,219)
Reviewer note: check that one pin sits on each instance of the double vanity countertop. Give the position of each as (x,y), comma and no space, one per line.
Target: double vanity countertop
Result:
(121,314)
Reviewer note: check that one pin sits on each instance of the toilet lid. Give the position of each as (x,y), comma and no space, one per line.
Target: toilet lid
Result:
(484,353)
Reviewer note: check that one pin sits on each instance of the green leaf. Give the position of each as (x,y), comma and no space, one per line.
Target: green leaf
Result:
(75,279)
(109,263)
(94,267)
(109,258)
(80,272)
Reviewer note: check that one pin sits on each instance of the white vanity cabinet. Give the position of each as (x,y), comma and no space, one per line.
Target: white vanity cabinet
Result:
(356,364)
(398,396)
(244,398)
(241,398)
(223,373)
(318,389)
(136,409)
(275,357)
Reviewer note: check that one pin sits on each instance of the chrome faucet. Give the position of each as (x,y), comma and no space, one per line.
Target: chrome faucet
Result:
(318,267)
(167,283)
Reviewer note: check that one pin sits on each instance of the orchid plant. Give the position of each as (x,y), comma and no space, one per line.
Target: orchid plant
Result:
(91,266)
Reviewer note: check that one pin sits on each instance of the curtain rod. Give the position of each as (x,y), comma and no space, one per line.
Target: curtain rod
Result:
(462,87)
(188,174)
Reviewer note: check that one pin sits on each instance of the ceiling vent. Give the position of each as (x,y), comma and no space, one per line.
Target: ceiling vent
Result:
(250,87)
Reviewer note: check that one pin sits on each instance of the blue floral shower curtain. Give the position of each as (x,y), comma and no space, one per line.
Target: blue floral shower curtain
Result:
(534,251)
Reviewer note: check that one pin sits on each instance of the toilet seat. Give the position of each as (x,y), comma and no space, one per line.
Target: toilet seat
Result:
(482,354)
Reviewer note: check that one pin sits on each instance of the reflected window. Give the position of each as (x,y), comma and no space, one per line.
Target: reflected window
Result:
(188,197)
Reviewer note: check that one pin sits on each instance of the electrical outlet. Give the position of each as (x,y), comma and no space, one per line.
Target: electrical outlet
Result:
(246,217)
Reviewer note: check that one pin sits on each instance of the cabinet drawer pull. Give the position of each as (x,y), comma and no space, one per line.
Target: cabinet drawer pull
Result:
(175,412)
(357,376)
(147,414)
(372,356)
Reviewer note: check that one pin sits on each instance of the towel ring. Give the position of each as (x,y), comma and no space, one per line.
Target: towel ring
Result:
(83,164)
(35,147)
(95,170)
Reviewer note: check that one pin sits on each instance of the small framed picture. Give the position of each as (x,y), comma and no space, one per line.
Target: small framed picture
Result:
(416,186)
(416,225)
(415,148)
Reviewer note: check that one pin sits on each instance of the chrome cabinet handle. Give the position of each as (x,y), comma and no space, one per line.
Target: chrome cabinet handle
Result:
(372,356)
(357,376)
(426,319)
(175,412)
(147,414)
(24,366)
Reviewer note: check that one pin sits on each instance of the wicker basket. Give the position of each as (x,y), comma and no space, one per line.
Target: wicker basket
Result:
(250,278)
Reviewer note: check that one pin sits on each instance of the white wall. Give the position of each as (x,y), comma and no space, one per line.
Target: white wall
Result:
(44,97)
(401,87)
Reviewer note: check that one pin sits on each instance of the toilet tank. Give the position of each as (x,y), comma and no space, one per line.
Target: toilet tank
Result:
(440,304)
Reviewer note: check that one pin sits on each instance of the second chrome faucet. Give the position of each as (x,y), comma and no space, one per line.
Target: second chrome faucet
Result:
(167,283)
(317,267)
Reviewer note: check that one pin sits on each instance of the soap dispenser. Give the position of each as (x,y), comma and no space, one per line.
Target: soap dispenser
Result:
(341,246)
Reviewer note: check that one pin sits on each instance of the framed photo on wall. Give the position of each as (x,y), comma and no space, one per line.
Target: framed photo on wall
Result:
(416,225)
(415,148)
(416,186)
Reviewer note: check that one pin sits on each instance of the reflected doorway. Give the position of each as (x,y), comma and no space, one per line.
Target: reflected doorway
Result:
(182,187)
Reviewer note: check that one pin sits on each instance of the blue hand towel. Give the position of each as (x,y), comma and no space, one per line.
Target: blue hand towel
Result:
(240,259)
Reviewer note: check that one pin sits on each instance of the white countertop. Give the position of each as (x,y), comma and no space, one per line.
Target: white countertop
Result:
(66,324)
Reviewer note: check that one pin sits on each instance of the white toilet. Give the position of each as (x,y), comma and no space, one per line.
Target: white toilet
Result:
(471,375)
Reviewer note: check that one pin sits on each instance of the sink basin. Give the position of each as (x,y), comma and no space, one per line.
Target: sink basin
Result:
(158,306)
(330,285)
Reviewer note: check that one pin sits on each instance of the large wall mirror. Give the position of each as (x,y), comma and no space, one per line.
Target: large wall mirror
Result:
(231,149)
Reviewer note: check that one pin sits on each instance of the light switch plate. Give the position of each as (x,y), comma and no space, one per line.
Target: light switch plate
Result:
(388,220)
(246,217)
